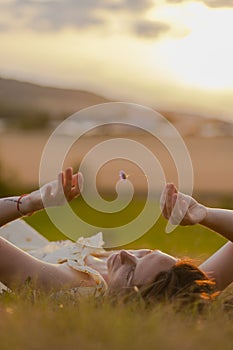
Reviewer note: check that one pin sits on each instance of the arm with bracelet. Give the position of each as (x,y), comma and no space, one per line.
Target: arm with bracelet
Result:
(67,186)
(15,264)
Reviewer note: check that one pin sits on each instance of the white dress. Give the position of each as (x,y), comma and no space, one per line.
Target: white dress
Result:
(28,239)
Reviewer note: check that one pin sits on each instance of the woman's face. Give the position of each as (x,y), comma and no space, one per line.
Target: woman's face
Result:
(126,270)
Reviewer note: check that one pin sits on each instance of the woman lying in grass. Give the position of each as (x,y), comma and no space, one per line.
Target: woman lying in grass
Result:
(84,267)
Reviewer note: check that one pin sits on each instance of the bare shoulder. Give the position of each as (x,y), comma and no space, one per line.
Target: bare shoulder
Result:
(75,278)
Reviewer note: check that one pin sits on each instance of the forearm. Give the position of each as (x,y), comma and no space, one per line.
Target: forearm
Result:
(220,266)
(219,220)
(12,208)
(55,193)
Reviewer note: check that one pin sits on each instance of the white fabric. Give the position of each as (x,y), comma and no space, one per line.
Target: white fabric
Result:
(73,253)
(23,235)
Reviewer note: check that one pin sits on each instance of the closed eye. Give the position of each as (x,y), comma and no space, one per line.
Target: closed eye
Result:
(130,275)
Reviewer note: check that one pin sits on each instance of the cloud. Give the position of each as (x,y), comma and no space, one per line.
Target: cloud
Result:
(54,15)
(150,29)
(176,1)
(218,3)
(136,5)
(209,3)
(57,14)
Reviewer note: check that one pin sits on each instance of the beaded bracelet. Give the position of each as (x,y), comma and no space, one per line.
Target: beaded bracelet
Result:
(18,208)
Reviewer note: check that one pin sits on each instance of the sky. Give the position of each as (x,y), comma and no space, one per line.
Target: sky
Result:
(168,54)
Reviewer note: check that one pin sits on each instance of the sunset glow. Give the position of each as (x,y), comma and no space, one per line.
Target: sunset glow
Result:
(151,51)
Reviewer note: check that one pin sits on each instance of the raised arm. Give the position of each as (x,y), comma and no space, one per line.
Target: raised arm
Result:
(67,184)
(184,210)
(16,266)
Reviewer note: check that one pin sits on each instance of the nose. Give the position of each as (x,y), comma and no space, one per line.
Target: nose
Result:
(126,257)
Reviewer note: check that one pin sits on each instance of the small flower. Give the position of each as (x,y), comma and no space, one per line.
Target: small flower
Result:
(123,175)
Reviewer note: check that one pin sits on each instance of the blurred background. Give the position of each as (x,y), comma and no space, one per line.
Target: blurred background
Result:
(175,56)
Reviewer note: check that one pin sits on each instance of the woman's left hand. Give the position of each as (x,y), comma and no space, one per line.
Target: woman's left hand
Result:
(180,208)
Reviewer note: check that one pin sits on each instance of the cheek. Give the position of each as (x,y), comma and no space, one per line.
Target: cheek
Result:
(150,266)
(145,275)
(147,270)
(117,279)
(114,278)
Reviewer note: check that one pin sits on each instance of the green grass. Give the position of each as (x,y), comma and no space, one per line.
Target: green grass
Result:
(32,320)
(195,242)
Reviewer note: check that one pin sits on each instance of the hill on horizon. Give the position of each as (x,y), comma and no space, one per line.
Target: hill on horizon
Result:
(57,102)
(28,106)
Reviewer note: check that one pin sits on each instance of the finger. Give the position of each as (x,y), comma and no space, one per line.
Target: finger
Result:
(80,182)
(184,206)
(60,183)
(175,213)
(174,199)
(68,179)
(163,201)
(171,190)
(77,185)
(184,213)
(179,209)
(74,180)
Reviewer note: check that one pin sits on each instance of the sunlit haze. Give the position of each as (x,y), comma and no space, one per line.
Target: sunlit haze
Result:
(169,54)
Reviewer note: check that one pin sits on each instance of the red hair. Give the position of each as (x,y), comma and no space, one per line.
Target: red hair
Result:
(184,282)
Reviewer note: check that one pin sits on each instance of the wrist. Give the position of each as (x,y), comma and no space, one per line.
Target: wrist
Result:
(34,201)
(24,205)
(206,213)
(29,203)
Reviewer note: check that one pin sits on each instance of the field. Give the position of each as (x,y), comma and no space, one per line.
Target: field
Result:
(20,155)
(31,320)
(196,242)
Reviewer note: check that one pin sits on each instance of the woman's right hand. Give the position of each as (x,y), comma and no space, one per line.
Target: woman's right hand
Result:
(180,208)
(55,193)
